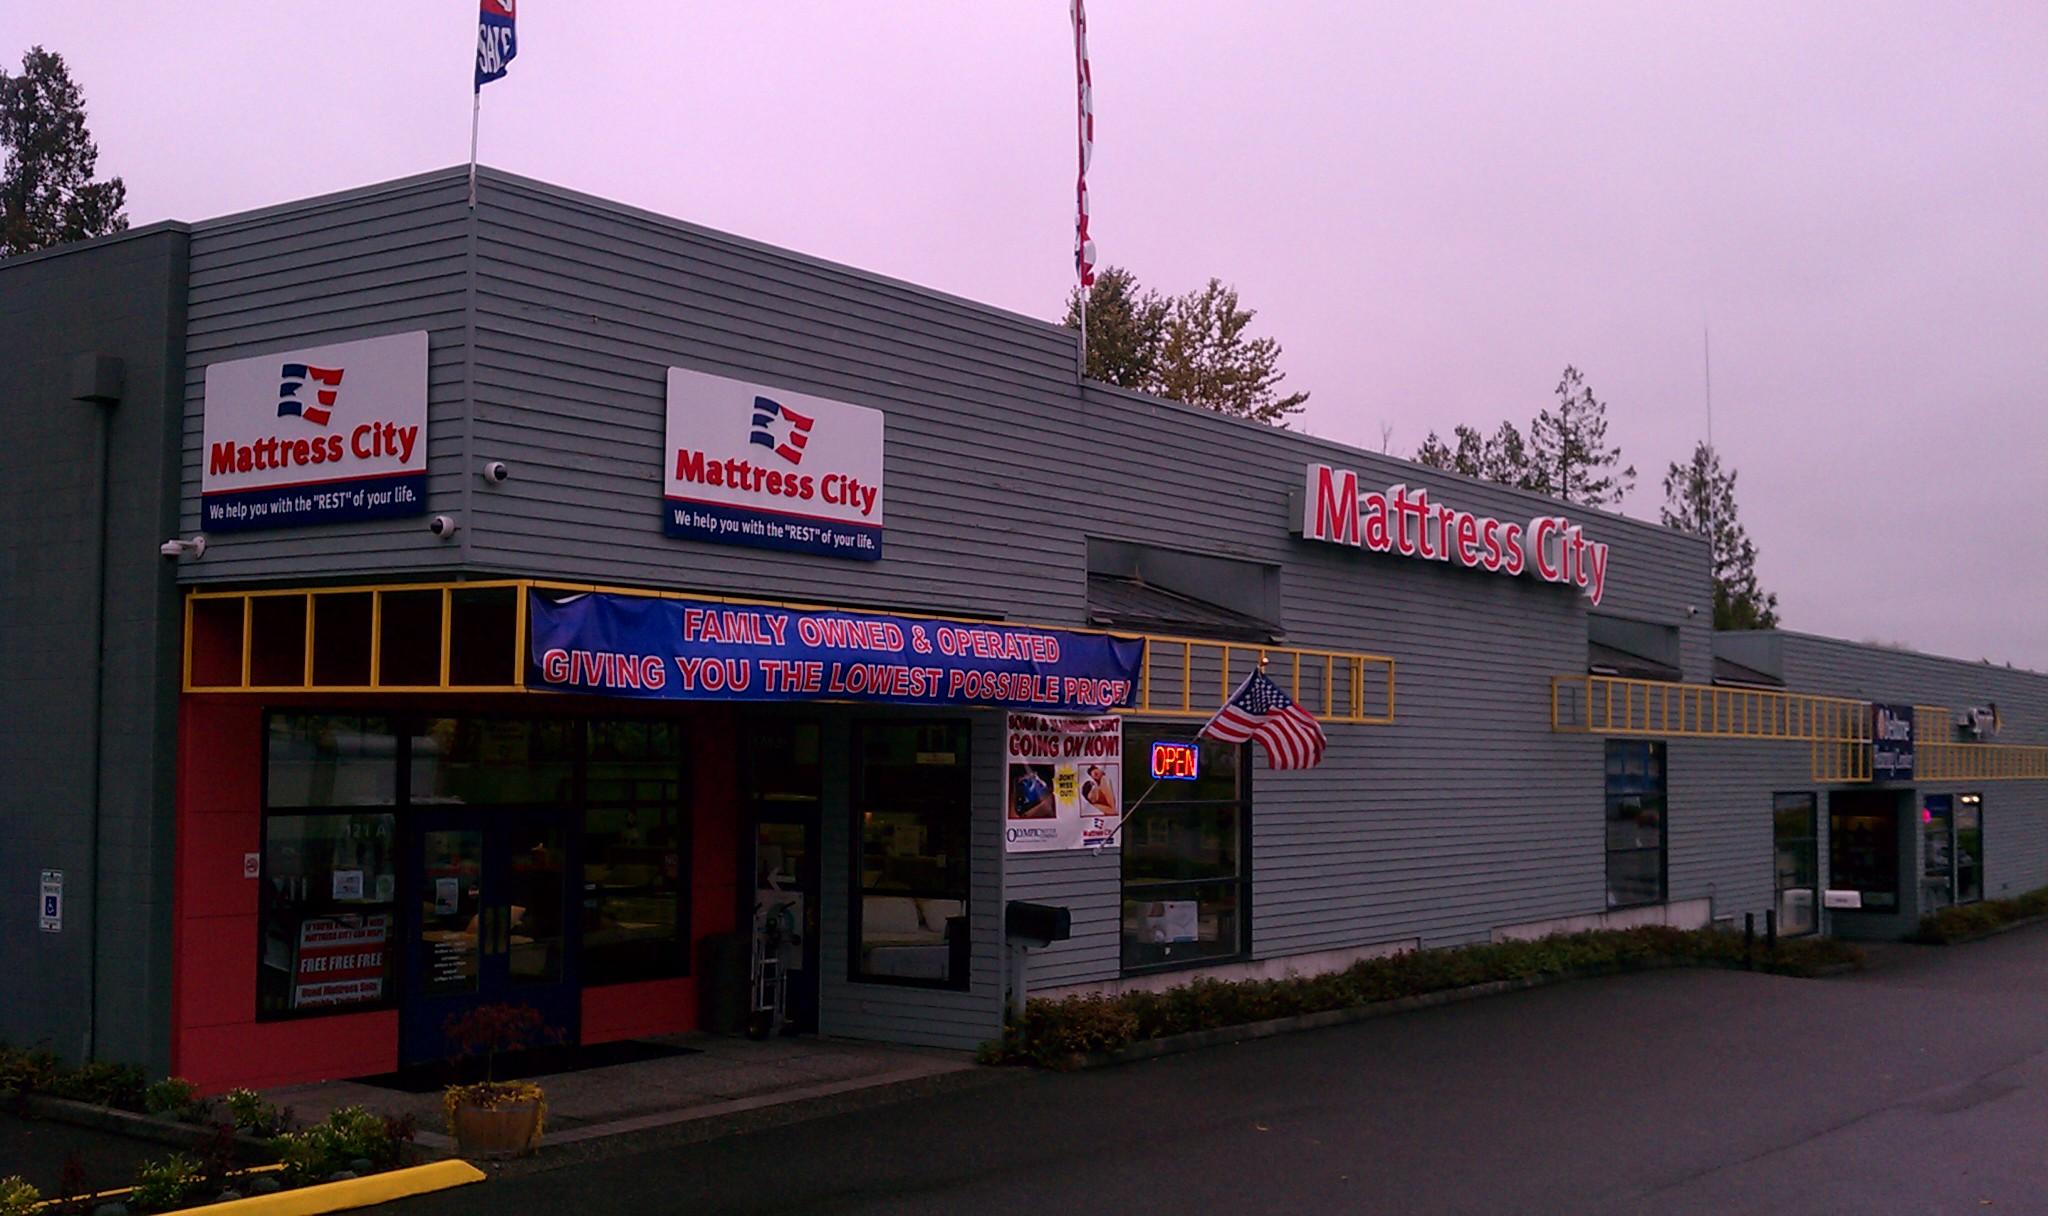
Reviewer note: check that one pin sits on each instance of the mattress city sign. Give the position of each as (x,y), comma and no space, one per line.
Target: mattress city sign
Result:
(750,464)
(1402,521)
(323,434)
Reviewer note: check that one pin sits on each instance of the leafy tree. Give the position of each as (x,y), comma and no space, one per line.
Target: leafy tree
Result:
(1207,360)
(47,195)
(1568,448)
(1699,497)
(1126,328)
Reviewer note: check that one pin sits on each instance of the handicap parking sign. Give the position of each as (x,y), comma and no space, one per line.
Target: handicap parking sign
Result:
(51,913)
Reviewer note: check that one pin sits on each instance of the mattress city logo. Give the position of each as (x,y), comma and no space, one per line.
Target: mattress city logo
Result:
(780,429)
(1405,522)
(293,378)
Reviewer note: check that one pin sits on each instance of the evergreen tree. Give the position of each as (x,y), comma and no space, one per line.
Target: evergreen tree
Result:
(1569,452)
(1126,328)
(1207,360)
(47,195)
(1699,497)
(1506,460)
(1468,457)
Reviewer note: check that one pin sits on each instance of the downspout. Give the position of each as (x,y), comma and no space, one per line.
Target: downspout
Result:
(96,380)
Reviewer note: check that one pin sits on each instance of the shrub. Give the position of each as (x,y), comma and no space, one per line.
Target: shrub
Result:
(348,1134)
(27,1071)
(1056,1032)
(17,1197)
(1962,921)
(171,1098)
(168,1183)
(103,1083)
(251,1112)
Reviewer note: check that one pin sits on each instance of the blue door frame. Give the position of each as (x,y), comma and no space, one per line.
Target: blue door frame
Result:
(490,919)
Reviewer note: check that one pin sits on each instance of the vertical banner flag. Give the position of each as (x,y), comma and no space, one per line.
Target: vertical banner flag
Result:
(1084,246)
(496,40)
(1259,710)
(1065,782)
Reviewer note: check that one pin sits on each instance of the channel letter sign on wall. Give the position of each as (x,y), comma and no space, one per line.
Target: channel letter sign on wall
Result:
(318,435)
(750,464)
(1403,521)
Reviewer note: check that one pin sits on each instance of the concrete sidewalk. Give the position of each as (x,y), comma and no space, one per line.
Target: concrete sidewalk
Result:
(720,1077)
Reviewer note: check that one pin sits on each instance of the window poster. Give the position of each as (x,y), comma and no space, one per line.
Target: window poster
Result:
(1065,776)
(340,960)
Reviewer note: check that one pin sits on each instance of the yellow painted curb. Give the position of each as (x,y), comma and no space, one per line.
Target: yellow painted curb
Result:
(349,1192)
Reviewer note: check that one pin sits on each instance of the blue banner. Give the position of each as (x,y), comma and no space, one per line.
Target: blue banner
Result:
(324,502)
(697,650)
(1891,742)
(771,530)
(496,40)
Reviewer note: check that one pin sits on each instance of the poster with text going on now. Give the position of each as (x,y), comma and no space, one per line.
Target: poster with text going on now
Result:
(1065,781)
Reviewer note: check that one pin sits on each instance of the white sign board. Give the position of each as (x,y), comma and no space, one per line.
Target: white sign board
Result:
(1065,787)
(751,464)
(322,434)
(1842,899)
(50,902)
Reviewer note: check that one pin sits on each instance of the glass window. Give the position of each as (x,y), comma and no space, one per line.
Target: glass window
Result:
(1793,824)
(1863,846)
(1186,877)
(1937,853)
(632,893)
(1635,823)
(494,761)
(1969,848)
(911,812)
(331,760)
(330,889)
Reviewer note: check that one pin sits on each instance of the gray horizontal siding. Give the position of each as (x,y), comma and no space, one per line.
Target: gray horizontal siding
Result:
(384,260)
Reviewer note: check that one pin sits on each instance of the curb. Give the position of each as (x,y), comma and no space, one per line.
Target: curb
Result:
(1195,1040)
(128,1123)
(350,1192)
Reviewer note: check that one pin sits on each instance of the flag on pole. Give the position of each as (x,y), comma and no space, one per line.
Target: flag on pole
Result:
(1259,710)
(496,40)
(1084,247)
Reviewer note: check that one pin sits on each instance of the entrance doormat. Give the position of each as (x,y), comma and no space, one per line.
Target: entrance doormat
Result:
(537,1062)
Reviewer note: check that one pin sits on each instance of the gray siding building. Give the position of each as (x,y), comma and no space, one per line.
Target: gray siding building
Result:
(488,683)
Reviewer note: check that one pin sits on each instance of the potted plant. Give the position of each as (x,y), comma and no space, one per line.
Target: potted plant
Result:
(492,1117)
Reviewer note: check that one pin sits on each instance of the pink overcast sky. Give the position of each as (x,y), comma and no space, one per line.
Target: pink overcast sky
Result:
(1434,207)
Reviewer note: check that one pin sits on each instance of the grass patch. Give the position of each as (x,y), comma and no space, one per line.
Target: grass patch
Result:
(1054,1033)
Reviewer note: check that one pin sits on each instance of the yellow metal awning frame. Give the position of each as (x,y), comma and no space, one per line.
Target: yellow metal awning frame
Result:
(1836,730)
(1341,687)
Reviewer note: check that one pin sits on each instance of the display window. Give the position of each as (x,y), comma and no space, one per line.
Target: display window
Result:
(1636,826)
(1186,854)
(912,817)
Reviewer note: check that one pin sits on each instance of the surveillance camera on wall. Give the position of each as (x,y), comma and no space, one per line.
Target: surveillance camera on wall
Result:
(495,472)
(443,526)
(1692,610)
(175,549)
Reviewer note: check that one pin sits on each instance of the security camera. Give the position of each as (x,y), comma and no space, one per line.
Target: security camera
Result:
(1692,610)
(495,472)
(442,526)
(175,549)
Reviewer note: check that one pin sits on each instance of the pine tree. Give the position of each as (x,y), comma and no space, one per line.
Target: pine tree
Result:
(1207,360)
(1699,497)
(1126,328)
(47,195)
(1569,452)
(1468,457)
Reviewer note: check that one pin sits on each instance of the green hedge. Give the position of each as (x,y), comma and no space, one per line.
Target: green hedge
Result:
(1055,1032)
(1964,921)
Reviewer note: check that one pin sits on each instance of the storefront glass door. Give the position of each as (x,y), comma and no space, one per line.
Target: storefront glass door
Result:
(1798,874)
(488,925)
(1937,853)
(782,794)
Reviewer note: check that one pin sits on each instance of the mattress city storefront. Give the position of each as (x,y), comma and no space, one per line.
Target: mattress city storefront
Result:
(595,612)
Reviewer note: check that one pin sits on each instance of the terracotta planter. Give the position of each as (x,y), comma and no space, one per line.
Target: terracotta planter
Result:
(509,1130)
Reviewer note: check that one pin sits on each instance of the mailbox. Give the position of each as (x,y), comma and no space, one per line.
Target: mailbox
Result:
(1037,924)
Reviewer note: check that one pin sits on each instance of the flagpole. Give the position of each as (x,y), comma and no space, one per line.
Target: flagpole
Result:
(476,110)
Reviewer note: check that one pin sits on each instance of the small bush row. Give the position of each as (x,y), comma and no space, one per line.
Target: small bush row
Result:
(352,1141)
(1962,921)
(1054,1033)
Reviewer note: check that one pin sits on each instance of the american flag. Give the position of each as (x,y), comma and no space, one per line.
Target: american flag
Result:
(1259,710)
(1084,84)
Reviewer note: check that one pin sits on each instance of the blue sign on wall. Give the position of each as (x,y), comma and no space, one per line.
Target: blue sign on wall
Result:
(701,650)
(1891,742)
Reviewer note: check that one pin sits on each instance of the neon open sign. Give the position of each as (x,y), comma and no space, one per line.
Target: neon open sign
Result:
(1176,761)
